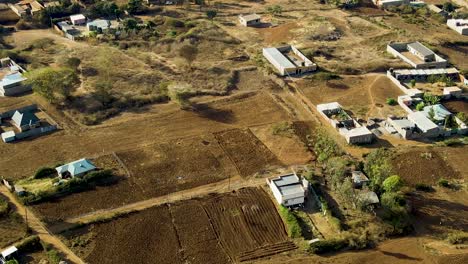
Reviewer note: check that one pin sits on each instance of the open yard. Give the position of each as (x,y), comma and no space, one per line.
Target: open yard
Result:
(224,228)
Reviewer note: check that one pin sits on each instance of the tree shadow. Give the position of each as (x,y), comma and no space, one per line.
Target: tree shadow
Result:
(400,255)
(218,115)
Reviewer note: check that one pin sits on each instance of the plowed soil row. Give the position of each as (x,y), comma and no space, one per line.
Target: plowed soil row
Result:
(248,153)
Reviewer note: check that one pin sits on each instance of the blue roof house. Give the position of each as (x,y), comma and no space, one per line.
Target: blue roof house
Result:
(76,168)
(25,120)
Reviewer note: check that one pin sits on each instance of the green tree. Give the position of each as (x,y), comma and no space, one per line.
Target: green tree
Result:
(189,53)
(211,14)
(462,116)
(448,7)
(336,168)
(413,82)
(378,167)
(391,101)
(130,23)
(431,99)
(431,114)
(324,146)
(392,183)
(54,84)
(12,261)
(395,212)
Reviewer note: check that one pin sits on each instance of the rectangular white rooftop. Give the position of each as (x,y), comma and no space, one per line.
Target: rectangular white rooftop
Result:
(279,57)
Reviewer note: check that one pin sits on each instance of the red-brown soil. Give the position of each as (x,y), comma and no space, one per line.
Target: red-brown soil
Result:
(457,106)
(248,153)
(423,166)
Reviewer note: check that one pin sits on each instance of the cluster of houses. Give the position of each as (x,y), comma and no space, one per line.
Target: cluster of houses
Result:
(12,80)
(431,120)
(22,123)
(348,127)
(78,25)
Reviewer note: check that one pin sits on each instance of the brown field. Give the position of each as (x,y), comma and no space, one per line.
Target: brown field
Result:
(364,96)
(12,227)
(423,166)
(457,106)
(223,228)
(248,153)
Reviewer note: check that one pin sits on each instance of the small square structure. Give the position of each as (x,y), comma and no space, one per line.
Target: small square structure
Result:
(76,168)
(9,253)
(459,25)
(289,190)
(359,179)
(78,19)
(288,60)
(25,120)
(250,20)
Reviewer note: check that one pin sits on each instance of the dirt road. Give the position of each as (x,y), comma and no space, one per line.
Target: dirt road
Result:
(36,225)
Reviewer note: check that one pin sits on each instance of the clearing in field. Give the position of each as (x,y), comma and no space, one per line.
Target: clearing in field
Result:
(247,152)
(223,228)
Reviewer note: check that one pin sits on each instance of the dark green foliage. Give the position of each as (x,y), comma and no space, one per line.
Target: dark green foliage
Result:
(54,84)
(391,101)
(29,244)
(130,23)
(430,99)
(12,261)
(211,14)
(444,183)
(396,213)
(104,9)
(134,6)
(325,147)
(292,224)
(378,167)
(326,246)
(44,172)
(53,256)
(175,23)
(4,208)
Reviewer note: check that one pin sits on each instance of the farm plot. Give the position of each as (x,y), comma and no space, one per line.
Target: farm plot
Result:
(222,228)
(121,190)
(177,165)
(248,153)
(423,166)
(12,227)
(457,106)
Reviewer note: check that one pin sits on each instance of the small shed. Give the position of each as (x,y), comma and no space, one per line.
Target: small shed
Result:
(19,190)
(368,198)
(9,253)
(249,20)
(8,136)
(359,179)
(78,19)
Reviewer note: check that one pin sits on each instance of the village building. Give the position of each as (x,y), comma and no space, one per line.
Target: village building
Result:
(76,168)
(353,132)
(289,190)
(26,7)
(69,31)
(8,254)
(359,179)
(78,19)
(452,92)
(24,121)
(459,25)
(99,25)
(402,126)
(11,78)
(424,74)
(288,60)
(424,124)
(417,55)
(437,9)
(388,3)
(368,198)
(250,20)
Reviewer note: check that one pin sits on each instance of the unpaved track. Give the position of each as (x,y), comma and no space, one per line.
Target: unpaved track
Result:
(36,225)
(219,187)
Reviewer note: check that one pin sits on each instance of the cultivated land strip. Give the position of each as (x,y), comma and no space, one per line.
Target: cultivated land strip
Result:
(219,187)
(37,226)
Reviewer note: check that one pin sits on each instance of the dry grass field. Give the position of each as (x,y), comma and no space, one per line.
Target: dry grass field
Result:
(215,229)
(12,227)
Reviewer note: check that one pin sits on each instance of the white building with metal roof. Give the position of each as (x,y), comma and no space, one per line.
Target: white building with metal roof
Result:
(75,169)
(289,190)
(424,124)
(288,60)
(459,25)
(249,20)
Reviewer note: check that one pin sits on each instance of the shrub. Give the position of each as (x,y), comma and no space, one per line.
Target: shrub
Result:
(12,261)
(44,172)
(29,244)
(292,224)
(392,183)
(420,106)
(172,22)
(443,183)
(424,187)
(391,101)
(282,129)
(458,237)
(325,246)
(53,256)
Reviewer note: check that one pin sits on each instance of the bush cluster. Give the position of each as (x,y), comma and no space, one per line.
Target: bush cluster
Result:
(44,172)
(292,224)
(29,244)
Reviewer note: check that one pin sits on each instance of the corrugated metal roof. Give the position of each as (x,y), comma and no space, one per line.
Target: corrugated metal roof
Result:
(286,180)
(421,121)
(292,189)
(279,57)
(77,167)
(421,48)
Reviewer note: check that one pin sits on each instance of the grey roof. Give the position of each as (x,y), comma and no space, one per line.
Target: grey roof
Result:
(359,176)
(403,123)
(292,189)
(286,180)
(421,121)
(76,167)
(440,112)
(250,17)
(12,78)
(359,131)
(7,252)
(279,57)
(26,118)
(368,197)
(421,48)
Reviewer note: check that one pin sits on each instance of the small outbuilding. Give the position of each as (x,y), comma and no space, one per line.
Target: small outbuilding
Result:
(76,168)
(359,179)
(78,19)
(250,20)
(368,198)
(9,254)
(25,120)
(8,136)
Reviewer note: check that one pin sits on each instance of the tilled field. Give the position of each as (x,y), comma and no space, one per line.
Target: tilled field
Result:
(248,153)
(221,228)
(423,166)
